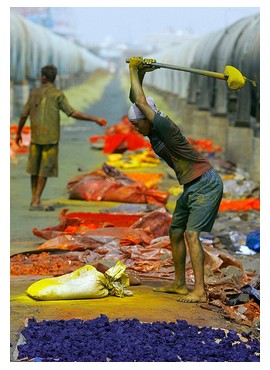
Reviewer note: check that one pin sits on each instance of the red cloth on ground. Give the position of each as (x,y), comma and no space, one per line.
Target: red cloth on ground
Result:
(121,137)
(239,205)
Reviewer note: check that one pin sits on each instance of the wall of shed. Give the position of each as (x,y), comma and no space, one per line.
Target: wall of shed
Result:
(207,109)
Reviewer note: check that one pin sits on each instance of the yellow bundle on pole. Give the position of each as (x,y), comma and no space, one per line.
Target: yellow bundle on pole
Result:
(235,79)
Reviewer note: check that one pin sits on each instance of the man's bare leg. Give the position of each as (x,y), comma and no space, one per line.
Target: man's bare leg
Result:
(179,258)
(34,180)
(37,185)
(197,259)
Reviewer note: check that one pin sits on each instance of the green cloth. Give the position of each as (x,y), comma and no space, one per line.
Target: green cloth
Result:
(197,207)
(43,106)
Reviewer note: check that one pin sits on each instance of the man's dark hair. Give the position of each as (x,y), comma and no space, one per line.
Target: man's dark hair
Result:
(50,72)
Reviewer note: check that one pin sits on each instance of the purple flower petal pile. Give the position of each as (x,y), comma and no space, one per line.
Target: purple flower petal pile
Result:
(101,340)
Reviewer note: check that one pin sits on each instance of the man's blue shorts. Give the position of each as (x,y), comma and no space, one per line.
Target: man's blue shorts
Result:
(197,207)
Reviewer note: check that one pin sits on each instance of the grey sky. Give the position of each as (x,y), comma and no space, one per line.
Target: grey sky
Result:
(132,24)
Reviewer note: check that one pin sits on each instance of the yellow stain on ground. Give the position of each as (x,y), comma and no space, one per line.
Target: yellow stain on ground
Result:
(145,305)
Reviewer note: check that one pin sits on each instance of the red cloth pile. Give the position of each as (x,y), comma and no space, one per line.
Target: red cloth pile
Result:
(205,145)
(26,138)
(78,222)
(144,246)
(155,224)
(109,184)
(121,137)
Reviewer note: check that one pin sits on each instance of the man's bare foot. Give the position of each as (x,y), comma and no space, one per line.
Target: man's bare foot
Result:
(193,297)
(35,204)
(175,289)
(40,207)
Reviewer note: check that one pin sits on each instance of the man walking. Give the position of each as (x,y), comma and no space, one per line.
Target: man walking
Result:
(43,106)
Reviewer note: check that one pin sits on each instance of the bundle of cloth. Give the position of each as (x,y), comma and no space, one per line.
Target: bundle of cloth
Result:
(109,184)
(119,138)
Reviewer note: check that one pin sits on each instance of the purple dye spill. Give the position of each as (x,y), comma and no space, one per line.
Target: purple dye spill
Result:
(101,340)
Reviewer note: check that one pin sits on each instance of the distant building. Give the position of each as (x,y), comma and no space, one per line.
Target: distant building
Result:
(161,40)
(55,19)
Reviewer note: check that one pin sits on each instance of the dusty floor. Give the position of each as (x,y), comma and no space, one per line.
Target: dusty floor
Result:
(75,155)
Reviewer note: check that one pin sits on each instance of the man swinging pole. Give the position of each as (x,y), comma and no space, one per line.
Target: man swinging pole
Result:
(197,207)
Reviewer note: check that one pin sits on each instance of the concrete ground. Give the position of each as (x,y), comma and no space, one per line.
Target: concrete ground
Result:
(76,154)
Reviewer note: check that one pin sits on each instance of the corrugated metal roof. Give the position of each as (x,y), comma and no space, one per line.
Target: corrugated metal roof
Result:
(33,46)
(237,45)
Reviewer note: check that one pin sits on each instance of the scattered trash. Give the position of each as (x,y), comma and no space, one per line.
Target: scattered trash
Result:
(253,240)
(248,313)
(243,249)
(238,238)
(233,188)
(252,290)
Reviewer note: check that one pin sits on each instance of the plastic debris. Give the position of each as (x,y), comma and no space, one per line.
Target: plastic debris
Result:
(243,249)
(253,240)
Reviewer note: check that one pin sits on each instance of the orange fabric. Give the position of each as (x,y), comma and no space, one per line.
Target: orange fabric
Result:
(121,137)
(204,145)
(111,143)
(26,137)
(150,180)
(240,205)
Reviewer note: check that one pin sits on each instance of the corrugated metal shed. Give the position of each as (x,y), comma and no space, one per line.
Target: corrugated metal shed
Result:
(33,46)
(237,45)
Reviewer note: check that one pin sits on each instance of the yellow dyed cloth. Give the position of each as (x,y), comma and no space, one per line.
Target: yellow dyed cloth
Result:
(85,282)
(134,160)
(176,190)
